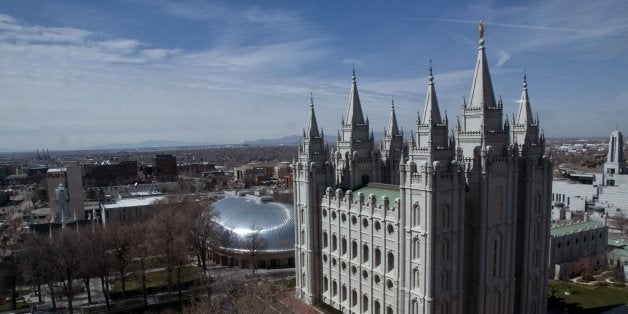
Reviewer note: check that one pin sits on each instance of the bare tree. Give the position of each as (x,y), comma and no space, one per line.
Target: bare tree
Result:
(10,259)
(255,243)
(103,258)
(121,243)
(620,222)
(201,229)
(167,237)
(142,252)
(68,255)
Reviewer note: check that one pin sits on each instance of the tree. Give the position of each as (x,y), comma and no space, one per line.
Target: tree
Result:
(10,259)
(255,242)
(202,230)
(103,258)
(68,257)
(142,251)
(121,243)
(620,222)
(88,268)
(168,240)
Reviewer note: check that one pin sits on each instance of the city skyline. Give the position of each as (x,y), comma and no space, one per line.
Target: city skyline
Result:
(79,75)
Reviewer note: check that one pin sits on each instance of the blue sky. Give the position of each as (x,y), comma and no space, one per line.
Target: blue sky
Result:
(81,73)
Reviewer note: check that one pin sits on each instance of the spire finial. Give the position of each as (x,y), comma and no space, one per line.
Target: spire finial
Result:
(481,28)
(431,77)
(311,100)
(392,102)
(353,77)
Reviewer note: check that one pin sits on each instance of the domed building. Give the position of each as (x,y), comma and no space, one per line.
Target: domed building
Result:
(256,225)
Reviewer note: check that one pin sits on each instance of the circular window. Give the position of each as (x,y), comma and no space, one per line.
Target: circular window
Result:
(343,217)
(333,215)
(365,274)
(354,269)
(377,225)
(391,229)
(365,223)
(343,265)
(376,279)
(354,220)
(333,262)
(325,258)
(389,284)
(324,213)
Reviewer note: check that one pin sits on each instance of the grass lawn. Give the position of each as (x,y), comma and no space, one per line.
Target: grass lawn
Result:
(6,306)
(158,279)
(584,299)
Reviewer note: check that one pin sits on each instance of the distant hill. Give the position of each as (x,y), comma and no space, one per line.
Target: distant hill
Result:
(145,144)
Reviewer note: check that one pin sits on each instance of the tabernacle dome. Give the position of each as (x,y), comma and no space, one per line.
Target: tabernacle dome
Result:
(242,214)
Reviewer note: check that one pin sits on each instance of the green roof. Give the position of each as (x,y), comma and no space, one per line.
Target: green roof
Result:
(569,228)
(379,190)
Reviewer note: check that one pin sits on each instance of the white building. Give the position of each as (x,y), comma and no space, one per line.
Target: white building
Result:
(65,194)
(461,224)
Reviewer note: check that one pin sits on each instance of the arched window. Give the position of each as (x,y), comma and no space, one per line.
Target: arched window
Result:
(378,257)
(354,298)
(444,276)
(334,288)
(344,293)
(445,249)
(390,262)
(365,303)
(303,279)
(334,243)
(446,215)
(499,202)
(389,310)
(416,213)
(303,238)
(365,253)
(496,256)
(354,249)
(343,246)
(415,307)
(537,202)
(325,244)
(416,278)
(417,248)
(376,307)
(325,283)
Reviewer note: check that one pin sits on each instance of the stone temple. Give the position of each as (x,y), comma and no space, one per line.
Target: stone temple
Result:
(453,221)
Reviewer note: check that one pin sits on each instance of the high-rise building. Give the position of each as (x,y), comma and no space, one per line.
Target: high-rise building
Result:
(448,223)
(65,194)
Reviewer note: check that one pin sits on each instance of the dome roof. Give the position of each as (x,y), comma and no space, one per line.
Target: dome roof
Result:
(243,215)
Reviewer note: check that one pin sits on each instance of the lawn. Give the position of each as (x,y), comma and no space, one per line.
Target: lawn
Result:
(158,279)
(584,299)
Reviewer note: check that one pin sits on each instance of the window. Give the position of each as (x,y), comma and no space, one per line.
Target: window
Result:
(365,274)
(446,215)
(444,280)
(343,246)
(389,284)
(365,253)
(354,298)
(303,239)
(416,278)
(377,225)
(344,293)
(378,257)
(365,303)
(334,243)
(391,261)
(354,220)
(376,307)
(496,258)
(416,215)
(417,248)
(325,244)
(325,283)
(354,249)
(333,215)
(343,217)
(391,229)
(365,223)
(415,307)
(334,288)
(445,249)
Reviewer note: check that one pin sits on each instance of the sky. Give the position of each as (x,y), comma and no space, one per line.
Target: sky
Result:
(75,74)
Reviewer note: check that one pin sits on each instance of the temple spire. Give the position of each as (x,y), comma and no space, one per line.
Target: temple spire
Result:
(393,129)
(431,113)
(312,126)
(354,114)
(524,117)
(482,95)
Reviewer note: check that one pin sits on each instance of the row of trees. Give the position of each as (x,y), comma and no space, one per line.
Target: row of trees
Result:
(178,234)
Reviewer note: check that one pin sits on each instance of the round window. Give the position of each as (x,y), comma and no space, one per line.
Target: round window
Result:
(365,223)
(389,284)
(333,215)
(354,220)
(365,274)
(343,217)
(377,225)
(391,229)
(354,269)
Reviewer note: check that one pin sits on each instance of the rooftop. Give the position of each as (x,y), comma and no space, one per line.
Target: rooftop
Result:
(133,202)
(379,190)
(573,227)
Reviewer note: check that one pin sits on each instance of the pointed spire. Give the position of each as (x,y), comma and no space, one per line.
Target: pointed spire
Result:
(354,114)
(313,126)
(482,95)
(524,116)
(393,129)
(431,113)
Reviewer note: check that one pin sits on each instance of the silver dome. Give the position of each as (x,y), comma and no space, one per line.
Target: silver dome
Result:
(243,215)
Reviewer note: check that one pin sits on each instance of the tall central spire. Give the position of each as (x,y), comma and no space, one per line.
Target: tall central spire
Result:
(524,117)
(431,113)
(354,115)
(393,129)
(313,126)
(482,95)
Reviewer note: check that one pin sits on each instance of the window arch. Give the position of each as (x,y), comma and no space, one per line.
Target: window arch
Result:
(444,277)
(343,294)
(416,215)
(445,249)
(325,241)
(365,253)
(343,246)
(417,248)
(325,283)
(378,257)
(537,202)
(416,278)
(390,261)
(334,242)
(496,255)
(354,298)
(334,288)
(446,216)
(415,307)
(365,303)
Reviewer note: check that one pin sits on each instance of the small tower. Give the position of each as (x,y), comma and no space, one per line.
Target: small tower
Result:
(355,159)
(615,163)
(392,149)
(312,174)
